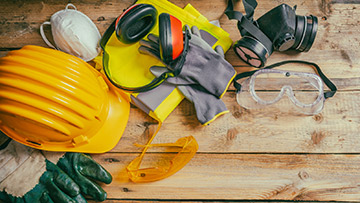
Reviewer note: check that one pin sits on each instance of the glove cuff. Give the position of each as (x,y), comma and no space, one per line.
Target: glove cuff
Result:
(22,169)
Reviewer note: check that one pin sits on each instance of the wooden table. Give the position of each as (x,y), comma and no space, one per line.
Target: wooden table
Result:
(246,154)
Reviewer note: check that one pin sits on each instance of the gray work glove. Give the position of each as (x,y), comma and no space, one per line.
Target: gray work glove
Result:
(28,175)
(207,105)
(203,66)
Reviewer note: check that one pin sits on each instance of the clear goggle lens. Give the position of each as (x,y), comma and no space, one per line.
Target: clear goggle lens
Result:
(268,87)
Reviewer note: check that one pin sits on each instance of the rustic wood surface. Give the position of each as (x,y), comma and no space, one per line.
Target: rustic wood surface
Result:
(245,155)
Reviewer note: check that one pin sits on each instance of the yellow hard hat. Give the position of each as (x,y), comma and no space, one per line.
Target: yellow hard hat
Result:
(53,101)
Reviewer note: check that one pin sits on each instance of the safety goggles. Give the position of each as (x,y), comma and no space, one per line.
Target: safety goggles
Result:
(185,148)
(267,87)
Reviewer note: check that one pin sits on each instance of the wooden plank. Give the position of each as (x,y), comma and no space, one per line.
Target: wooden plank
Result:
(316,157)
(242,177)
(26,18)
(343,80)
(334,130)
(337,55)
(193,201)
(344,74)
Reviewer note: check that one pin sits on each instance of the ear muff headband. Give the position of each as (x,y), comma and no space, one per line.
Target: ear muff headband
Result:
(135,23)
(178,63)
(170,37)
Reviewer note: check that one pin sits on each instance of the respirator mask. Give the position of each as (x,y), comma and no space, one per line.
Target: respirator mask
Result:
(74,33)
(279,29)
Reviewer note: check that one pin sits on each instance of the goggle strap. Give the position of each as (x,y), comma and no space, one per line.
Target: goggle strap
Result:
(239,76)
(326,80)
(317,69)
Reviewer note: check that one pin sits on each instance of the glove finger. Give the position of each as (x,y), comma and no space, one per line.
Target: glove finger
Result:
(153,38)
(149,51)
(62,180)
(207,106)
(54,192)
(195,31)
(80,167)
(185,92)
(45,198)
(216,23)
(158,70)
(187,27)
(80,199)
(5,197)
(149,44)
(90,168)
(220,50)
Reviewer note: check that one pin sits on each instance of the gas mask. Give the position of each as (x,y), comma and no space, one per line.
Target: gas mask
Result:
(279,29)
(74,33)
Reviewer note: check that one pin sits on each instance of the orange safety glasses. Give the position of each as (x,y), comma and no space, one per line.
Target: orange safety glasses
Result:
(186,147)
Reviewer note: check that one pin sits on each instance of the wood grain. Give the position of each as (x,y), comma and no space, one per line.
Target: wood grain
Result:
(245,155)
(243,176)
(334,130)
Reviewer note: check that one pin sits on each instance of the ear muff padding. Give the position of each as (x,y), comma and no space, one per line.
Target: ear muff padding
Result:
(135,23)
(251,51)
(170,37)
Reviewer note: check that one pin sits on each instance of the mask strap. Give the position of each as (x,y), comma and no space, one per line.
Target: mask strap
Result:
(72,5)
(317,69)
(246,22)
(44,36)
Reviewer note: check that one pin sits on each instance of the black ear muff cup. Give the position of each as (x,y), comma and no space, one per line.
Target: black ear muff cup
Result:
(252,51)
(135,23)
(166,48)
(170,37)
(306,28)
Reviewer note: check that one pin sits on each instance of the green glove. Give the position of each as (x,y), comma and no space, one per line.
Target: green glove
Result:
(54,184)
(30,175)
(83,170)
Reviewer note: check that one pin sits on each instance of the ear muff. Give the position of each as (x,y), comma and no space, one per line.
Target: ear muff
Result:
(171,33)
(135,23)
(252,51)
(306,28)
(170,37)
